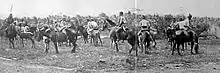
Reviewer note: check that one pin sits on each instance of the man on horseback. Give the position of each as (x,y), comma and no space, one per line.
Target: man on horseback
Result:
(121,23)
(144,24)
(121,20)
(92,25)
(183,25)
(10,19)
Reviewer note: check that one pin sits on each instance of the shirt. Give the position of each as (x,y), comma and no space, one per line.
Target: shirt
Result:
(144,23)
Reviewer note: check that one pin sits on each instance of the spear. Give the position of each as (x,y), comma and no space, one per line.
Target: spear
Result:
(11,8)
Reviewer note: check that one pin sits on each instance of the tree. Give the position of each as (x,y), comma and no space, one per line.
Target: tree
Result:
(102,15)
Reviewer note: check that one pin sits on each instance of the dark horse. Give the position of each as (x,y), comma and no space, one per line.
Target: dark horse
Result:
(170,34)
(83,32)
(11,34)
(129,34)
(33,30)
(182,38)
(108,24)
(25,35)
(50,34)
(145,38)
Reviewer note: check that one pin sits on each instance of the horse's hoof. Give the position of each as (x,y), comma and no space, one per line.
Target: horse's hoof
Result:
(57,52)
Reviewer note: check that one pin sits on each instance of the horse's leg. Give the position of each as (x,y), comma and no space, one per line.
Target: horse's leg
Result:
(155,43)
(116,45)
(56,47)
(100,39)
(183,48)
(131,49)
(33,43)
(147,46)
(74,46)
(192,46)
(47,46)
(111,42)
(85,39)
(22,42)
(141,47)
(178,48)
(173,47)
(12,41)
(135,46)
(196,45)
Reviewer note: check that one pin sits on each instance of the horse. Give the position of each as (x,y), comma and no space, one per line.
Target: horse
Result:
(145,38)
(25,35)
(11,34)
(95,36)
(170,34)
(117,36)
(49,34)
(83,32)
(129,34)
(107,25)
(184,36)
(32,30)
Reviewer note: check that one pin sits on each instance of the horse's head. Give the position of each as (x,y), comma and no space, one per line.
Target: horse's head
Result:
(111,22)
(170,32)
(43,32)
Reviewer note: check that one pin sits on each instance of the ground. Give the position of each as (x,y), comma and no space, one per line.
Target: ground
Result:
(103,59)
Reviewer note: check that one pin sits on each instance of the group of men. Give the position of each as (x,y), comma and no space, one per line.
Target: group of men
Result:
(144,24)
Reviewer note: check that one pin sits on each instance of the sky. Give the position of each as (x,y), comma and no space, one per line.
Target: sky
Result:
(94,7)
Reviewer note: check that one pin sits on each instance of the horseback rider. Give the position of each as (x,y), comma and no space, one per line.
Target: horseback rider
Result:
(121,23)
(10,19)
(121,20)
(144,25)
(183,25)
(92,25)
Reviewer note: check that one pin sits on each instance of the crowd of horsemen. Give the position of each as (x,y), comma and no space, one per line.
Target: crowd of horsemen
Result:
(93,24)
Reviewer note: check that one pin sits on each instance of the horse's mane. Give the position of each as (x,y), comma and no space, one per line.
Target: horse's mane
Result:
(110,22)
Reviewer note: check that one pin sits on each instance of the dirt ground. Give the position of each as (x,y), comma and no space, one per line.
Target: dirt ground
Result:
(103,59)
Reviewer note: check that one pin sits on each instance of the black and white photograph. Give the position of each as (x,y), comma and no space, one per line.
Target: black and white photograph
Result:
(109,36)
